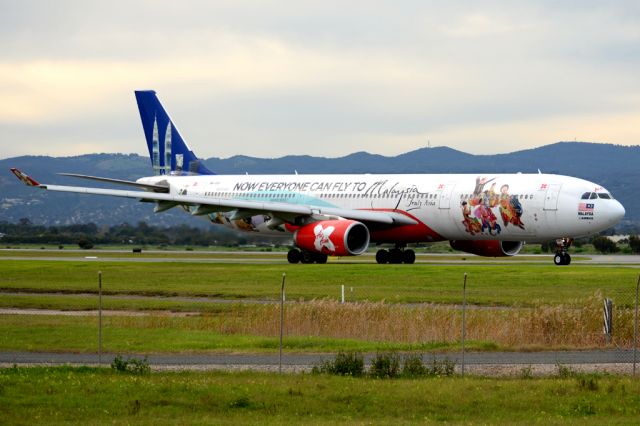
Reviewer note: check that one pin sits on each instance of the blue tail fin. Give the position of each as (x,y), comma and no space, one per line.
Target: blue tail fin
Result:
(168,151)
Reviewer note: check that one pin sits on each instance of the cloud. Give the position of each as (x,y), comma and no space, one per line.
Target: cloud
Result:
(488,138)
(480,25)
(273,78)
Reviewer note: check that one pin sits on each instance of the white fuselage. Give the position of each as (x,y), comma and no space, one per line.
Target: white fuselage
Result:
(508,207)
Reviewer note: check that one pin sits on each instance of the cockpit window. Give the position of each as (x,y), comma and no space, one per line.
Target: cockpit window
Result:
(593,196)
(586,195)
(604,195)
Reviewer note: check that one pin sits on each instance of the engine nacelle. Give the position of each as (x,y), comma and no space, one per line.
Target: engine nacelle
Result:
(333,237)
(490,248)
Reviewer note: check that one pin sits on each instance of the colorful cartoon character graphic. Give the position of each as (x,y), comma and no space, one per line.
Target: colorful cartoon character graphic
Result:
(245,224)
(510,208)
(488,220)
(480,183)
(471,224)
(477,212)
(218,218)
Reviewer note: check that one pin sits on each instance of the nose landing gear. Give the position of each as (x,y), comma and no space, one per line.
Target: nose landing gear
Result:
(562,256)
(562,259)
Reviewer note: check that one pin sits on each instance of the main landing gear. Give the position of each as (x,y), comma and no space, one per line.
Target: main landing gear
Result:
(303,256)
(562,256)
(396,256)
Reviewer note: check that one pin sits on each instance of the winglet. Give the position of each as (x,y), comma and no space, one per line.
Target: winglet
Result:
(24,177)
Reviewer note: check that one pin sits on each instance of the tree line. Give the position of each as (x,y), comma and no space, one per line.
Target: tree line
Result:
(142,234)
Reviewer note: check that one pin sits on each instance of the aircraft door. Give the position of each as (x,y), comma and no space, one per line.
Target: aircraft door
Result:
(551,196)
(445,196)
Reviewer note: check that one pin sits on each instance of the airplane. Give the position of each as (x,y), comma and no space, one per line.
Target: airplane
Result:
(485,214)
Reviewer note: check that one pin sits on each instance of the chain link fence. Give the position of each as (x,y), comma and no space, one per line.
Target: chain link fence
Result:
(601,329)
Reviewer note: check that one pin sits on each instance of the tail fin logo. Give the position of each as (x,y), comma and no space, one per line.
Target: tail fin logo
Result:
(162,151)
(168,152)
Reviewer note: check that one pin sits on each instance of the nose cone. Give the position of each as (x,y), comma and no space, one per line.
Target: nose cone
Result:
(618,211)
(615,212)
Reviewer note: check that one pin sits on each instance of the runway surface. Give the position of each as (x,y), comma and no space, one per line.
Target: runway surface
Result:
(304,362)
(235,257)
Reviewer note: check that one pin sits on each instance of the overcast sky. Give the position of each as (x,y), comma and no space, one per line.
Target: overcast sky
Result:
(272,78)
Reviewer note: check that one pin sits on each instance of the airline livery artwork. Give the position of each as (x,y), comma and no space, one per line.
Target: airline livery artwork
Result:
(478,211)
(323,241)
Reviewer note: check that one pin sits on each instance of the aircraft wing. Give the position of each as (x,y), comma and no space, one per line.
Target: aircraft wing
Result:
(146,186)
(205,205)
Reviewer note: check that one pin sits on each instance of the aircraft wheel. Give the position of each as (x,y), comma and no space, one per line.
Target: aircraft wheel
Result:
(293,256)
(321,258)
(382,256)
(409,256)
(395,256)
(307,257)
(562,259)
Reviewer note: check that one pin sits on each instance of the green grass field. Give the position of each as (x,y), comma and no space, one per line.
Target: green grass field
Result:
(516,284)
(100,396)
(574,294)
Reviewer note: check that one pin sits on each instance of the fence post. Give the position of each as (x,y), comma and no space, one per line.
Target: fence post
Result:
(281,320)
(635,330)
(99,318)
(608,320)
(342,298)
(464,319)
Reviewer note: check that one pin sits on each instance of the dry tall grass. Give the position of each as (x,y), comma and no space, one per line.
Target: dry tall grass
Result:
(517,328)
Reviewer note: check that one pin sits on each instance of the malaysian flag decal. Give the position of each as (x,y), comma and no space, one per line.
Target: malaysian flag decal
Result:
(585,207)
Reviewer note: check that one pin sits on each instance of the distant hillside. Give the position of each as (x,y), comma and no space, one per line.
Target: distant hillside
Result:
(615,167)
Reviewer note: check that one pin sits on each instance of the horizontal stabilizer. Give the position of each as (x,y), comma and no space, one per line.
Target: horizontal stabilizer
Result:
(162,206)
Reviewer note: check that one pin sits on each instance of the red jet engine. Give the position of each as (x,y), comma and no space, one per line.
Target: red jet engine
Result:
(333,237)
